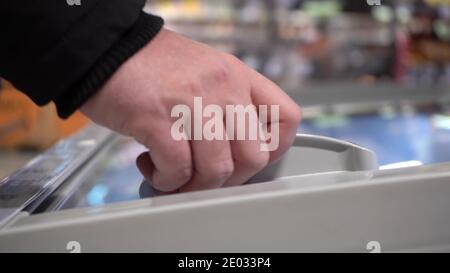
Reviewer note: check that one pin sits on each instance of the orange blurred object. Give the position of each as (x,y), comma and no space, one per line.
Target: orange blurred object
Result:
(25,125)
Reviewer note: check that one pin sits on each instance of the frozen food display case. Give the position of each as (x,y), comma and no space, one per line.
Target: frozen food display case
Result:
(324,195)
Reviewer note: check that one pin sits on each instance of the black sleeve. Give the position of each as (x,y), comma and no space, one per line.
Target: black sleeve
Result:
(53,51)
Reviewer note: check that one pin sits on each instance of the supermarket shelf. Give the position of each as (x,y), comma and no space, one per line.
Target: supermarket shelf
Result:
(351,98)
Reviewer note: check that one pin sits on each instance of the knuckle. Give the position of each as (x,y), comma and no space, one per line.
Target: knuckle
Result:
(192,86)
(221,72)
(178,168)
(219,171)
(231,59)
(173,181)
(182,174)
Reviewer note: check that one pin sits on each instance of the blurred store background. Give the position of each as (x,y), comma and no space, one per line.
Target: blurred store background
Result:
(375,75)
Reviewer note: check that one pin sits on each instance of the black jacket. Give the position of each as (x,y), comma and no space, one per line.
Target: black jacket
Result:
(54,51)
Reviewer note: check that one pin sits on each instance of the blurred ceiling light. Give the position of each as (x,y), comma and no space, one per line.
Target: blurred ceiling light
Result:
(442,29)
(383,14)
(403,14)
(322,9)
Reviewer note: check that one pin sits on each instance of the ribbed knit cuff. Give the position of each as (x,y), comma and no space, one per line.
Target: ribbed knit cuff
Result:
(144,30)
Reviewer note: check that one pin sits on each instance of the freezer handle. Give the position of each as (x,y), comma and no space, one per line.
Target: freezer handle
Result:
(312,154)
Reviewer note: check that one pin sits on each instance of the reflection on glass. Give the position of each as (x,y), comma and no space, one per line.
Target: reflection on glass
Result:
(395,138)
(115,179)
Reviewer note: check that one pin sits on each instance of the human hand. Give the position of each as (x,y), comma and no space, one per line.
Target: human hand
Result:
(172,70)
